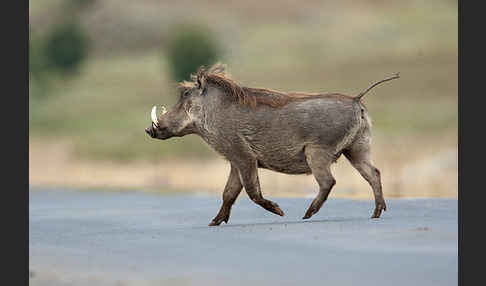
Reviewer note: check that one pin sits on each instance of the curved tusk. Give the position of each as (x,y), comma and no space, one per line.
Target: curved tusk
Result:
(155,121)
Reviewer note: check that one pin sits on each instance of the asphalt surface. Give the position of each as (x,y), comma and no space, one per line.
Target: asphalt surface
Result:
(135,238)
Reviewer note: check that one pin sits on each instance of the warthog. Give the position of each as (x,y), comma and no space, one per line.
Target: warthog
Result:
(291,133)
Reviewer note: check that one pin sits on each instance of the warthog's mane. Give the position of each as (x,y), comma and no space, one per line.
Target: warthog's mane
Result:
(218,76)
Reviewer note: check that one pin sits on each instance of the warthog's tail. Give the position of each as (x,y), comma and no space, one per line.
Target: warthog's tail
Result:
(375,84)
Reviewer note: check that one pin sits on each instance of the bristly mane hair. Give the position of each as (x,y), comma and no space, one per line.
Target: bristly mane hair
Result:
(245,95)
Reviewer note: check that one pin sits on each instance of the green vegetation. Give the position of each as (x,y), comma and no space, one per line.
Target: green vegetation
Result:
(36,59)
(59,50)
(66,48)
(38,83)
(189,47)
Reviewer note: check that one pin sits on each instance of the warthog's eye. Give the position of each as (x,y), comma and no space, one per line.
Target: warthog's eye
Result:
(185,94)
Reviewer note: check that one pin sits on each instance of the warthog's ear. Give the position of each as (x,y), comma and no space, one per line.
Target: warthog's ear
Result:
(201,78)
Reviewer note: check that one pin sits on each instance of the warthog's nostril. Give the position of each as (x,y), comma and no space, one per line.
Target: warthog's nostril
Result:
(149,131)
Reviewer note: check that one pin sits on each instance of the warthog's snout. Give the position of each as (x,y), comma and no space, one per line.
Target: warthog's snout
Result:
(158,132)
(156,129)
(150,131)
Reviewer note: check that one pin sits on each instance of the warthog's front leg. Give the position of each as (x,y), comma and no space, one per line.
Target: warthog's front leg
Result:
(249,177)
(230,193)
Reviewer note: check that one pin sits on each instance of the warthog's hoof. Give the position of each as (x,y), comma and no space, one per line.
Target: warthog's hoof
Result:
(272,207)
(217,222)
(308,214)
(311,211)
(278,211)
(379,207)
(214,223)
(219,219)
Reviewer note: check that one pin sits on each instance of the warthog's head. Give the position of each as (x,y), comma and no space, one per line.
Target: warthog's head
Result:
(181,119)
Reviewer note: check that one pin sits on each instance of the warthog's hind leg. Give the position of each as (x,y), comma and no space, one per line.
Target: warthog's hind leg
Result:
(359,156)
(320,162)
(231,191)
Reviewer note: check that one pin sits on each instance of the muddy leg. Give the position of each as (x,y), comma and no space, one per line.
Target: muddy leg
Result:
(230,193)
(249,178)
(360,159)
(320,164)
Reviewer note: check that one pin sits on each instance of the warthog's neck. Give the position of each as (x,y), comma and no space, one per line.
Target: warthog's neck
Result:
(222,126)
(214,132)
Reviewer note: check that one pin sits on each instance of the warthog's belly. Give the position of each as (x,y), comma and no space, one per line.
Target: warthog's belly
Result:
(289,165)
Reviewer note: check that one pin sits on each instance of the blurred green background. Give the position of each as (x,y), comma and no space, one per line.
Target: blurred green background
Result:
(97,67)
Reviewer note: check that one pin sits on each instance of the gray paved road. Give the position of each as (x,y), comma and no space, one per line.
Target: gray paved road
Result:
(107,238)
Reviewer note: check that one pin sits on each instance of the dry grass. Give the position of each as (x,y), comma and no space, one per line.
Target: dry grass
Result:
(406,172)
